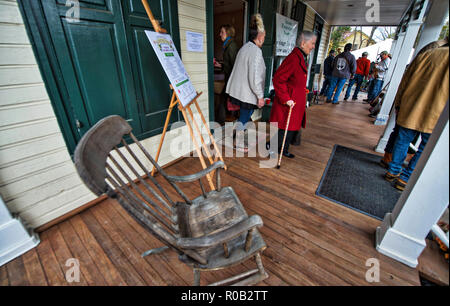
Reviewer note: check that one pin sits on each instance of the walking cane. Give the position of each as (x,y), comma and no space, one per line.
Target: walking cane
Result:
(284,138)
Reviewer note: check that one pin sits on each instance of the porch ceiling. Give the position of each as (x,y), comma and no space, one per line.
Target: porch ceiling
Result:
(353,12)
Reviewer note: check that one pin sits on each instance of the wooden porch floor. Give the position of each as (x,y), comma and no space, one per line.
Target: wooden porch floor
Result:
(311,241)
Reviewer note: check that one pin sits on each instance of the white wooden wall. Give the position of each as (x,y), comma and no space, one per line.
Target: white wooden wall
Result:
(322,55)
(38,179)
(308,25)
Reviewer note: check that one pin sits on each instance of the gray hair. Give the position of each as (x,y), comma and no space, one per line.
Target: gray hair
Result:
(304,36)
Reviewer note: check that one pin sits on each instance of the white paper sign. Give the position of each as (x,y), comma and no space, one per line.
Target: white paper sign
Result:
(286,35)
(173,66)
(194,41)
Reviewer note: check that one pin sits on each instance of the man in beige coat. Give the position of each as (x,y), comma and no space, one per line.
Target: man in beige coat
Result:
(420,99)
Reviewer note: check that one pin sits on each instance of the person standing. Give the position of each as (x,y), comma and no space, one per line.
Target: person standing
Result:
(289,82)
(381,69)
(344,67)
(230,50)
(247,79)
(420,99)
(362,73)
(327,72)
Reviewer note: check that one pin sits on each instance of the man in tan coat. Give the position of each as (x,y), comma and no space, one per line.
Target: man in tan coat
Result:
(420,99)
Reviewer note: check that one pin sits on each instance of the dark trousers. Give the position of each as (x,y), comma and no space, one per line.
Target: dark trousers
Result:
(289,139)
(325,85)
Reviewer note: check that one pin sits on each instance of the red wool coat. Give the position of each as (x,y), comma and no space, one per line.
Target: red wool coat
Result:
(289,83)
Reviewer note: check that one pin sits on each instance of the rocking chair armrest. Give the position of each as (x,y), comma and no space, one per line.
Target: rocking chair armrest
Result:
(221,237)
(196,176)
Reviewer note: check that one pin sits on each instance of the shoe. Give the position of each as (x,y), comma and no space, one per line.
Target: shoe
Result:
(345,99)
(400,184)
(354,99)
(288,155)
(366,100)
(336,103)
(328,101)
(387,158)
(391,177)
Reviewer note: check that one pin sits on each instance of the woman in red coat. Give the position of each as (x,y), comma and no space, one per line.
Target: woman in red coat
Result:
(289,83)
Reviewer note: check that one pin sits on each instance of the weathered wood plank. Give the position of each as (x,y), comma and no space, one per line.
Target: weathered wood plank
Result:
(4,280)
(95,268)
(34,269)
(144,269)
(54,274)
(113,252)
(17,274)
(63,254)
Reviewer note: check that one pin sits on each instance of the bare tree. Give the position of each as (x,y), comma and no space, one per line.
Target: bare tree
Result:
(371,34)
(360,38)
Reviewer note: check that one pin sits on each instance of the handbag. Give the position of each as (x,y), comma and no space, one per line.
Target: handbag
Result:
(232,107)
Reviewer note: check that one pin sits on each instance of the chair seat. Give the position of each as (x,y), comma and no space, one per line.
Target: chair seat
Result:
(215,213)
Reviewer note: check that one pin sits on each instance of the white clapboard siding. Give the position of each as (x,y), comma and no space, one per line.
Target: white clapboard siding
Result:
(192,17)
(38,179)
(323,48)
(308,25)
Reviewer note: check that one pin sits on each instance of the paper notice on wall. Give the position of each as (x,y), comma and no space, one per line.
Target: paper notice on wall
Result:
(173,66)
(286,35)
(194,41)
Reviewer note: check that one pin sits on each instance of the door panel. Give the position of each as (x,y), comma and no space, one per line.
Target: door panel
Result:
(151,83)
(94,60)
(98,69)
(267,12)
(101,63)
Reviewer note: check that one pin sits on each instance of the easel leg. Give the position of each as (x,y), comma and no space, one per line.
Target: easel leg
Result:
(219,154)
(173,102)
(200,156)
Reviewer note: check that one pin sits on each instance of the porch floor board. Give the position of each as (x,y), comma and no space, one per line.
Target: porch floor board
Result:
(311,241)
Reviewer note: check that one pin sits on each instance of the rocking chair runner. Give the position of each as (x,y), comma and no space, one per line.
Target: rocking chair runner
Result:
(211,232)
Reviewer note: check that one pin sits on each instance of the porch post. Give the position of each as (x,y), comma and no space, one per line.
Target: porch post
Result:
(395,51)
(433,24)
(424,200)
(402,60)
(387,132)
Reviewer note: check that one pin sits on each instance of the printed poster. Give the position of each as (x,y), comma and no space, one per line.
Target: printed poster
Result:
(286,35)
(194,41)
(173,66)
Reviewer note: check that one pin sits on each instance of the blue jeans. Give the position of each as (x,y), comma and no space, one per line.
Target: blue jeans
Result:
(404,138)
(376,89)
(244,117)
(358,79)
(337,83)
(325,85)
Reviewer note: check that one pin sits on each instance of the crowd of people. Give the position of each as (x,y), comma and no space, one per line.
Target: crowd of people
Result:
(418,103)
(344,68)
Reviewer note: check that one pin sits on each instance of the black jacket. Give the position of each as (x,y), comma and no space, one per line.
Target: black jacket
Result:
(344,65)
(328,65)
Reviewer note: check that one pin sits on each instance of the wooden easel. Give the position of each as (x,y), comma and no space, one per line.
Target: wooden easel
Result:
(185,110)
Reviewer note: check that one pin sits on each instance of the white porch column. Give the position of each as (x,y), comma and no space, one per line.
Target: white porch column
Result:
(399,69)
(434,22)
(395,51)
(387,132)
(402,233)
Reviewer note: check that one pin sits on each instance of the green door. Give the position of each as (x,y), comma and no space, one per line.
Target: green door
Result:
(267,11)
(94,59)
(104,63)
(153,93)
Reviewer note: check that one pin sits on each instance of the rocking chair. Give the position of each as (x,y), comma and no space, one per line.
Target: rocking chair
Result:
(210,232)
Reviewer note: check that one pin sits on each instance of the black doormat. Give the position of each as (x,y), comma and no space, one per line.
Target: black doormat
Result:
(356,180)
